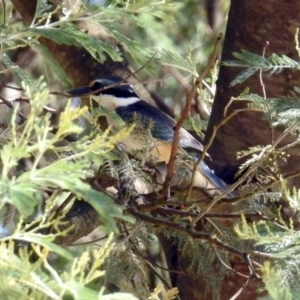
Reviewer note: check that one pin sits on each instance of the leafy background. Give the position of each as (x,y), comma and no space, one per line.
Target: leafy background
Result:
(168,43)
(163,37)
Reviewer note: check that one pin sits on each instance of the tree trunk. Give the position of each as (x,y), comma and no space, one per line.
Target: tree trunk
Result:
(251,25)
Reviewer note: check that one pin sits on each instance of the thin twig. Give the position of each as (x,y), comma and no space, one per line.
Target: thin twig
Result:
(185,228)
(227,266)
(241,289)
(11,87)
(267,107)
(207,146)
(137,251)
(285,133)
(10,105)
(167,269)
(172,211)
(253,275)
(26,100)
(291,145)
(143,66)
(234,186)
(261,78)
(185,113)
(211,238)
(269,185)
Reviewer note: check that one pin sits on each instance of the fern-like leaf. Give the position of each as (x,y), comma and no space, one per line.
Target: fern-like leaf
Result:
(254,63)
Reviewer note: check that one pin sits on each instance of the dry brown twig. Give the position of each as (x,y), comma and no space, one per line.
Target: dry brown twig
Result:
(185,113)
(10,105)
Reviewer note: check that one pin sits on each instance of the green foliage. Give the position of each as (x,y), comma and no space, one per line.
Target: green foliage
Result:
(68,34)
(277,236)
(61,171)
(37,165)
(177,61)
(254,63)
(35,138)
(22,279)
(274,286)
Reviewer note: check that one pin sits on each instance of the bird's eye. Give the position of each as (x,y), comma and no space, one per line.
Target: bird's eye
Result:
(92,83)
(96,85)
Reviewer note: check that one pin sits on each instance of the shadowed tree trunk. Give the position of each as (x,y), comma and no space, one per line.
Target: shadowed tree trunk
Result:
(250,26)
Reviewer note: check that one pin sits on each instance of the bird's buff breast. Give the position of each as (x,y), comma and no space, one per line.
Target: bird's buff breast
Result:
(146,147)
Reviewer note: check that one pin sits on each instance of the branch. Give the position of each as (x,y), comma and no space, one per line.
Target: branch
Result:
(185,113)
(185,228)
(10,105)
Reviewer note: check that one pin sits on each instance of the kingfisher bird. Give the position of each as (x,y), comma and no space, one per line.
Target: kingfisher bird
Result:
(153,129)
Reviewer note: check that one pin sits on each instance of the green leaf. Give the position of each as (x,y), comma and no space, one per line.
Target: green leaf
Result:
(71,179)
(102,203)
(273,284)
(46,242)
(81,292)
(254,63)
(25,197)
(70,35)
(244,75)
(19,74)
(138,53)
(113,14)
(175,60)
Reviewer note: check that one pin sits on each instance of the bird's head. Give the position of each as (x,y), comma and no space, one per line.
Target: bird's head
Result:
(114,91)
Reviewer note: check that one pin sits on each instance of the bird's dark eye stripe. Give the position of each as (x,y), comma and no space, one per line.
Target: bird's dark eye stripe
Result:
(102,86)
(124,92)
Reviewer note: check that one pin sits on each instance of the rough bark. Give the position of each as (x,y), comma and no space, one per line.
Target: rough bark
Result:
(250,25)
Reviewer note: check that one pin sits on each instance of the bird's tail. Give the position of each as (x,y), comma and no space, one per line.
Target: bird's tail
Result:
(204,179)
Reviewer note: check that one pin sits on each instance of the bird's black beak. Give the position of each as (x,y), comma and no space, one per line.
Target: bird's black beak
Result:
(80,92)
